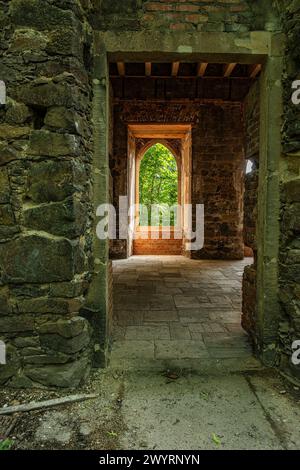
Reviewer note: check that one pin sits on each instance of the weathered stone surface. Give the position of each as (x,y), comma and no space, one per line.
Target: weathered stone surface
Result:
(7,154)
(71,289)
(27,40)
(67,346)
(15,324)
(10,132)
(35,258)
(45,143)
(4,186)
(54,180)
(62,118)
(17,113)
(67,328)
(48,94)
(6,215)
(40,15)
(12,364)
(68,375)
(65,218)
(44,305)
(26,341)
(5,301)
(46,359)
(291,218)
(65,42)
(291,190)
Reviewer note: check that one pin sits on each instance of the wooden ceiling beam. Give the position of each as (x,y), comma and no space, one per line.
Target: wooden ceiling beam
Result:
(175,69)
(158,131)
(121,68)
(228,69)
(201,69)
(148,69)
(254,70)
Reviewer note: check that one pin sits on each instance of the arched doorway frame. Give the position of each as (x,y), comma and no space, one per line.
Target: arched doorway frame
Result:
(139,157)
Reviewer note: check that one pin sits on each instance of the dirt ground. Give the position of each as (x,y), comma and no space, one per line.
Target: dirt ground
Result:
(166,410)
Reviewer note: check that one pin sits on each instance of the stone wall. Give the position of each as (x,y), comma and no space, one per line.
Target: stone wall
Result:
(46,258)
(289,269)
(218,162)
(45,192)
(217,182)
(252,120)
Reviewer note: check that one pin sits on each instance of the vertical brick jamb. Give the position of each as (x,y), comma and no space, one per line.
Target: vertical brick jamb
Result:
(98,298)
(268,312)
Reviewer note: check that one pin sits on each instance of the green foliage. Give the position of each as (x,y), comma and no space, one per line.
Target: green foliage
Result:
(6,444)
(158,182)
(216,439)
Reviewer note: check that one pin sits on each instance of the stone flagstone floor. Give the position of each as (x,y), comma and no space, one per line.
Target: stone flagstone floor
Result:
(174,311)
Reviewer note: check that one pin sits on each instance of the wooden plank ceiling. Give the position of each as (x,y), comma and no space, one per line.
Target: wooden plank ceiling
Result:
(184,70)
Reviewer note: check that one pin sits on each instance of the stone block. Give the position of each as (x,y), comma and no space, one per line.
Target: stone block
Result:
(39,259)
(60,117)
(12,132)
(40,15)
(291,218)
(45,143)
(27,40)
(71,374)
(54,180)
(66,345)
(6,215)
(43,305)
(42,358)
(26,341)
(47,93)
(17,113)
(65,42)
(5,301)
(67,328)
(12,365)
(65,218)
(291,190)
(71,289)
(16,323)
(4,186)
(7,153)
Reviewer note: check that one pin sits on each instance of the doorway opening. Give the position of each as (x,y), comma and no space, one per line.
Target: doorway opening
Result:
(201,126)
(158,185)
(159,162)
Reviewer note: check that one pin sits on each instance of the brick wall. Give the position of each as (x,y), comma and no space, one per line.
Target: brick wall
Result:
(218,159)
(191,15)
(180,15)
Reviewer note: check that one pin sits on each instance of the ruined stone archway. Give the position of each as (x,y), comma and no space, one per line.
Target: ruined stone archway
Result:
(271,68)
(55,274)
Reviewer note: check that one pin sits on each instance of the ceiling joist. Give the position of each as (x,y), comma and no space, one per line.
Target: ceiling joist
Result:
(228,69)
(254,70)
(121,68)
(175,69)
(148,69)
(201,69)
(187,70)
